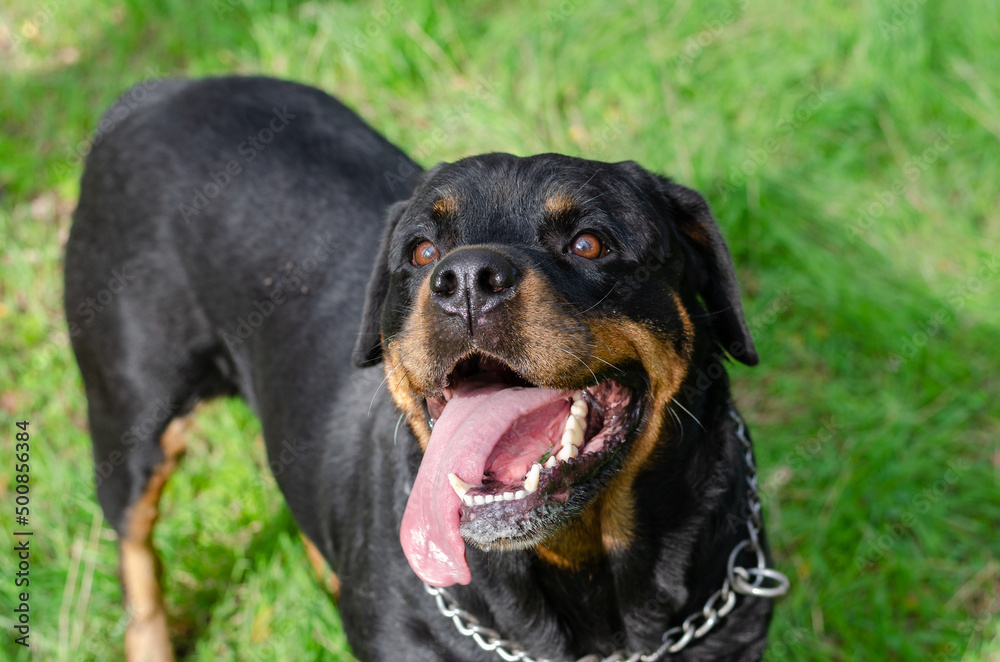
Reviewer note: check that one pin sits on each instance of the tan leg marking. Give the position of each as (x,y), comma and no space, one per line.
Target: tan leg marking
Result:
(328,578)
(146,637)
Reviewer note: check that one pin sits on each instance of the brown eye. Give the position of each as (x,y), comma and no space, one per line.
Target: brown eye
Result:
(425,253)
(588,246)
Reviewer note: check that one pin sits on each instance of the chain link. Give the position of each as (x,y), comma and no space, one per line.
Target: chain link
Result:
(757,580)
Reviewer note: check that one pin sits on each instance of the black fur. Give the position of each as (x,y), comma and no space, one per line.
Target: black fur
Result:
(294,248)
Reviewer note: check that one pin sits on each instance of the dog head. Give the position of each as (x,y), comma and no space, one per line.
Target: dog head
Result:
(536,317)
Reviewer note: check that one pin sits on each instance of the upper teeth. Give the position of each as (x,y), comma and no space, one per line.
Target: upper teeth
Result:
(572,440)
(572,437)
(567,451)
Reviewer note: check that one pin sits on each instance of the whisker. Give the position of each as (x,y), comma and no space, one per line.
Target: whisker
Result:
(605,362)
(603,297)
(562,349)
(384,380)
(588,181)
(593,198)
(711,313)
(677,419)
(395,433)
(689,414)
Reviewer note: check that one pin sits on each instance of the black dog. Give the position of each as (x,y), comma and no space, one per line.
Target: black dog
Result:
(555,433)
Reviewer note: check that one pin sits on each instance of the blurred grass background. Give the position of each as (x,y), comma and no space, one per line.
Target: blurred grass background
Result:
(850,150)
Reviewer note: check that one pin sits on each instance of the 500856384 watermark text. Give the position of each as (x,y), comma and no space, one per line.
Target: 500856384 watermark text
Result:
(22,534)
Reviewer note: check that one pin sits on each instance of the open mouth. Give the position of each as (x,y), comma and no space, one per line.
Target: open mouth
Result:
(508,462)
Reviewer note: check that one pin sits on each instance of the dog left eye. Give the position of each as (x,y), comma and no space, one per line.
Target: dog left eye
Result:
(589,246)
(424,253)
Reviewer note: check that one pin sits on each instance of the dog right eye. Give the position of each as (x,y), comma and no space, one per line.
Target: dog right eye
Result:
(424,253)
(588,246)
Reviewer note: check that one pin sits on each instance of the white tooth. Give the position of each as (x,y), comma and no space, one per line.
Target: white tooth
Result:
(520,494)
(489,498)
(508,496)
(551,462)
(566,452)
(459,485)
(479,499)
(467,500)
(575,425)
(578,396)
(531,480)
(572,437)
(579,409)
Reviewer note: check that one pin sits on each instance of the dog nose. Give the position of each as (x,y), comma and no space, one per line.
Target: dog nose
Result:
(472,281)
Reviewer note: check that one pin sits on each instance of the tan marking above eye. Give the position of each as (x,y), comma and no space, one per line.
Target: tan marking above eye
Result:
(559,204)
(588,246)
(444,206)
(424,253)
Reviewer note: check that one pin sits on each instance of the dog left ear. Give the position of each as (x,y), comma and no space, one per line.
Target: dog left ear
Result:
(717,276)
(368,348)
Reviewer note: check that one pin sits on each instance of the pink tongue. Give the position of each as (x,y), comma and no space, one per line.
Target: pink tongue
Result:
(478,414)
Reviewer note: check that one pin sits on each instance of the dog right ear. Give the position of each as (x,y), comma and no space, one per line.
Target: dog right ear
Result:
(368,349)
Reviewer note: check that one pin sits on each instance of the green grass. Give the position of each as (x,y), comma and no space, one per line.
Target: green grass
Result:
(867,246)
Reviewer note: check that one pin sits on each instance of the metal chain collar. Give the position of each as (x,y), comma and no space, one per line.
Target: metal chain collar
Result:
(745,581)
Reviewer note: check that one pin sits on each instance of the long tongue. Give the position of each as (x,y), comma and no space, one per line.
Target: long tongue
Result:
(477,416)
